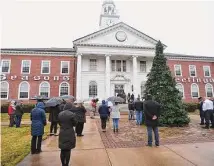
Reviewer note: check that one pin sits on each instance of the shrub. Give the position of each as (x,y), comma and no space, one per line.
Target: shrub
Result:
(191,107)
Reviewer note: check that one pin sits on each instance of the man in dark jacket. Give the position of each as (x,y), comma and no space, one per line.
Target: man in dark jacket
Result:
(67,139)
(18,113)
(131,109)
(104,112)
(138,105)
(152,113)
(200,99)
(53,118)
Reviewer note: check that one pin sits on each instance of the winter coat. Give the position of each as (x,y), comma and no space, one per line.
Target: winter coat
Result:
(19,110)
(115,112)
(138,105)
(131,106)
(67,138)
(79,113)
(38,119)
(11,110)
(103,110)
(53,115)
(151,108)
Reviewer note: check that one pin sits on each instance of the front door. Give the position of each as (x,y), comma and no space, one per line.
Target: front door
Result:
(118,89)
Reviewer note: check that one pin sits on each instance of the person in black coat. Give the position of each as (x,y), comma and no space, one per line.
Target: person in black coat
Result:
(19,113)
(53,118)
(67,138)
(80,112)
(104,113)
(202,116)
(152,113)
(131,109)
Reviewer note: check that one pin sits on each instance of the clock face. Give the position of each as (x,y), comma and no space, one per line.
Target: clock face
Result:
(121,36)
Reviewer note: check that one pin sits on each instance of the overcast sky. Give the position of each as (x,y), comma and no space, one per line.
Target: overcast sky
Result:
(184,26)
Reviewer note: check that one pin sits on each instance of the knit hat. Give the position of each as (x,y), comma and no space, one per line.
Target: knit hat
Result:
(68,106)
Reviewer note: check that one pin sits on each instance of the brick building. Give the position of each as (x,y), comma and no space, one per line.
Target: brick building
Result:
(194,75)
(29,72)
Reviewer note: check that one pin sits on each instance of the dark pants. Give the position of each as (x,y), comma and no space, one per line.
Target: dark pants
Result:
(53,126)
(79,128)
(65,157)
(18,120)
(12,120)
(36,143)
(103,122)
(202,116)
(209,117)
(149,132)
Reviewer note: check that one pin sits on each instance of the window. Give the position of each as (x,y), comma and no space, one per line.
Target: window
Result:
(178,71)
(209,90)
(207,71)
(194,91)
(181,89)
(118,65)
(192,70)
(26,66)
(45,67)
(63,89)
(92,89)
(65,65)
(93,64)
(5,66)
(142,88)
(24,90)
(142,66)
(4,90)
(44,89)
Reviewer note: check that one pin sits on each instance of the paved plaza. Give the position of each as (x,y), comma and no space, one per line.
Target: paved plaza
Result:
(186,146)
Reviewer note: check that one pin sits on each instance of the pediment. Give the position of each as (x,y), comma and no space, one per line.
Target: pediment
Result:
(120,77)
(109,37)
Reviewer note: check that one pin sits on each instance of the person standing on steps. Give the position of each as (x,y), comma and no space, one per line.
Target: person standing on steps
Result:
(19,112)
(152,113)
(38,119)
(67,138)
(80,117)
(104,113)
(53,118)
(115,114)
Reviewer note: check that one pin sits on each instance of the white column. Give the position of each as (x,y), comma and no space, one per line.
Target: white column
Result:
(107,77)
(79,76)
(134,79)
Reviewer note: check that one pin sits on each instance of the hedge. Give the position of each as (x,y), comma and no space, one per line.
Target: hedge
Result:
(191,107)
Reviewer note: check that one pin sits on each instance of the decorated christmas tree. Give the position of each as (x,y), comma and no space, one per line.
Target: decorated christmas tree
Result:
(162,86)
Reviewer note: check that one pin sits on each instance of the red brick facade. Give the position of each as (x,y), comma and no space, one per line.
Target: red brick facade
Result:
(204,83)
(35,78)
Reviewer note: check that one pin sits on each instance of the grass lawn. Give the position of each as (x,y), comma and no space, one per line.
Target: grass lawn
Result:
(25,117)
(15,143)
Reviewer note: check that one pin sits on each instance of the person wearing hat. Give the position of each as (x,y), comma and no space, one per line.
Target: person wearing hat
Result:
(80,112)
(67,138)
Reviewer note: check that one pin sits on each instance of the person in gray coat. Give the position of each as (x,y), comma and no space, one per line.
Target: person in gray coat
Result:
(67,138)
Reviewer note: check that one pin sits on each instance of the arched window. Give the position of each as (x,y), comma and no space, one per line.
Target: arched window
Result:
(64,89)
(181,89)
(92,89)
(44,89)
(142,88)
(4,90)
(24,90)
(209,90)
(194,91)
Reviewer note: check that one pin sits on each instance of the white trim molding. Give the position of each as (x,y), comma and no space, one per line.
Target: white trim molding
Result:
(68,67)
(29,66)
(179,68)
(194,66)
(197,90)
(5,60)
(28,91)
(48,87)
(204,70)
(49,66)
(61,85)
(208,84)
(8,86)
(182,86)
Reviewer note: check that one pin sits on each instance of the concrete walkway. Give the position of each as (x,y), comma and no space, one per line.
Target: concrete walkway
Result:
(90,151)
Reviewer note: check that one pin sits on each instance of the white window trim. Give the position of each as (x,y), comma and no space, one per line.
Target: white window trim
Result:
(115,68)
(68,68)
(22,67)
(7,90)
(175,70)
(209,71)
(197,88)
(68,87)
(49,66)
(9,65)
(183,89)
(195,71)
(48,89)
(28,91)
(206,89)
